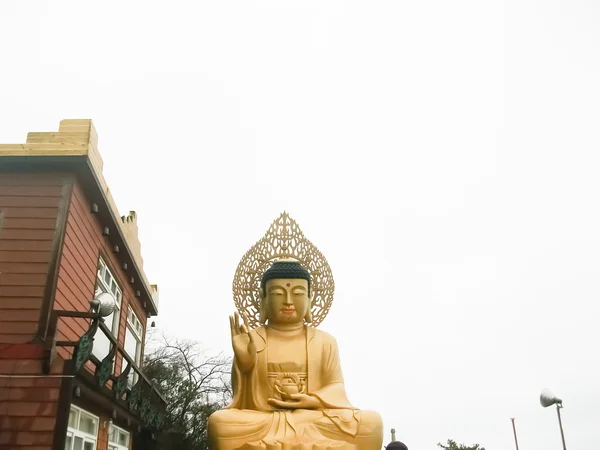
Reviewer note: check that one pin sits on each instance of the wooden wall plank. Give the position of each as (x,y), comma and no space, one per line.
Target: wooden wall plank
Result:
(31,213)
(24,328)
(28,409)
(21,302)
(71,299)
(28,394)
(15,267)
(8,423)
(84,270)
(22,279)
(82,247)
(19,315)
(25,246)
(21,291)
(27,439)
(33,179)
(26,235)
(25,257)
(44,382)
(14,338)
(31,191)
(29,223)
(7,201)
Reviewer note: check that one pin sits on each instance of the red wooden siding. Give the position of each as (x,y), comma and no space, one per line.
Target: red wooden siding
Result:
(83,246)
(28,402)
(28,219)
(28,406)
(29,210)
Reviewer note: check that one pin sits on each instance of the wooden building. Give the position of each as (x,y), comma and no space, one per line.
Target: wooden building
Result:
(69,379)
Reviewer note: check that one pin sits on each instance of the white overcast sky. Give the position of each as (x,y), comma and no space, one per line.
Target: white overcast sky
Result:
(443,155)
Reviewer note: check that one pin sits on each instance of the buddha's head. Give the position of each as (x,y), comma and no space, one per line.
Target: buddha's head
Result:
(285,294)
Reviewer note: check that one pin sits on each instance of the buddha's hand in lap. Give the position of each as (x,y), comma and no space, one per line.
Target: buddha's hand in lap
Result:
(242,342)
(299,401)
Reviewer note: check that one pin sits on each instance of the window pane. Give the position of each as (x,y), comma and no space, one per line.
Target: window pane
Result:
(109,321)
(73,418)
(123,439)
(101,345)
(117,317)
(89,445)
(69,442)
(87,424)
(78,443)
(101,342)
(113,435)
(134,322)
(131,346)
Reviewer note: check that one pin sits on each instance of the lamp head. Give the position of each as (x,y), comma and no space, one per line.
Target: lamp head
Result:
(547,398)
(104,304)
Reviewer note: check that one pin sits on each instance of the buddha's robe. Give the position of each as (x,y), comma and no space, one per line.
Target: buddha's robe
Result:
(251,422)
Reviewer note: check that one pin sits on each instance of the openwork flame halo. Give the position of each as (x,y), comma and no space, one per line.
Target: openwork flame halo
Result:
(283,240)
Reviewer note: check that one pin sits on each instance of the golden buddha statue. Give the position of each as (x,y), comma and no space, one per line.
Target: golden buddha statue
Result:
(288,388)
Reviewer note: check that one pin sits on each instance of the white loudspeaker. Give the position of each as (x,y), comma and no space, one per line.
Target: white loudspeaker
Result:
(104,304)
(547,398)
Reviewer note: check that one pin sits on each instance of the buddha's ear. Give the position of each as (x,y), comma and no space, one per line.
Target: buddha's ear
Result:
(262,312)
(308,315)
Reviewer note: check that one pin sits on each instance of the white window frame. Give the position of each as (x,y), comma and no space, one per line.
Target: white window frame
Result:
(134,323)
(137,330)
(76,433)
(112,287)
(115,445)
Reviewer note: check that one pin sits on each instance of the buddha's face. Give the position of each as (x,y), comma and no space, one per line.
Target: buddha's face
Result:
(287,300)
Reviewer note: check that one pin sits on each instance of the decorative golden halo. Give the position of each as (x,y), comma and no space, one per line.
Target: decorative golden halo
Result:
(283,240)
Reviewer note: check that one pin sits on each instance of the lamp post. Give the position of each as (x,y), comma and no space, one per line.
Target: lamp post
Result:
(512,419)
(547,398)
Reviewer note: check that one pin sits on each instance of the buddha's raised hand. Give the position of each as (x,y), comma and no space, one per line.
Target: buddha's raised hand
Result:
(242,342)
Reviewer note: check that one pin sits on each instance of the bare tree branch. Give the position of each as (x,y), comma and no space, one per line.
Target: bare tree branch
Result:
(194,384)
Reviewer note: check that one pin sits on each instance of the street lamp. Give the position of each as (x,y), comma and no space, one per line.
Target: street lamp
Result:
(547,398)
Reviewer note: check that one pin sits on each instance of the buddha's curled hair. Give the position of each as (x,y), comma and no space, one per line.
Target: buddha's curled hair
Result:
(285,269)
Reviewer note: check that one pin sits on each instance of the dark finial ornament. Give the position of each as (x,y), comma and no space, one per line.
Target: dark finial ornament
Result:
(395,445)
